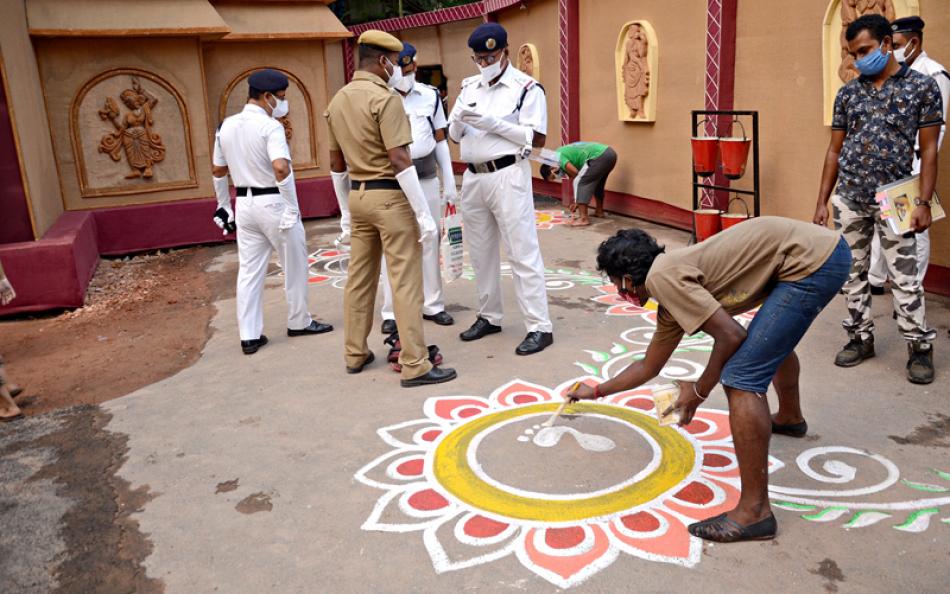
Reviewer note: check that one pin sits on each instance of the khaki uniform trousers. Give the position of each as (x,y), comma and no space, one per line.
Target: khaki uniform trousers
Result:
(383,223)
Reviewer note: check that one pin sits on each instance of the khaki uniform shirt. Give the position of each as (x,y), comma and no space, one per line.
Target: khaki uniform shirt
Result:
(735,270)
(365,119)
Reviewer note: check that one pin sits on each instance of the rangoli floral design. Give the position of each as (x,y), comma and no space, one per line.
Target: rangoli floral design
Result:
(439,480)
(548,219)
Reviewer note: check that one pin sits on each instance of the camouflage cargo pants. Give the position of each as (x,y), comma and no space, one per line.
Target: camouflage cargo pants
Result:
(858,222)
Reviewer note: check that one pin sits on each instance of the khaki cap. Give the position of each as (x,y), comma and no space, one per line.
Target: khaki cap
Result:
(380,39)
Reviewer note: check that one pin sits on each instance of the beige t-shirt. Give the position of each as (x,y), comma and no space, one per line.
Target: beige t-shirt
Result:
(735,270)
(365,119)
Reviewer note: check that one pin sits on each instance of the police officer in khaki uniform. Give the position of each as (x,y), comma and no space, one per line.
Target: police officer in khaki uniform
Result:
(374,175)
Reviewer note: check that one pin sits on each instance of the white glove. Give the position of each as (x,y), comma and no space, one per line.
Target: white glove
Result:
(409,182)
(457,128)
(7,294)
(224,215)
(341,187)
(444,159)
(516,133)
(288,191)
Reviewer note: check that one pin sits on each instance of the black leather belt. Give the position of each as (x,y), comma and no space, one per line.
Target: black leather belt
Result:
(492,166)
(375,184)
(242,191)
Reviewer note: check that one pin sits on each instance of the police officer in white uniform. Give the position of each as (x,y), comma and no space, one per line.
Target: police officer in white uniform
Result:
(430,154)
(252,147)
(498,117)
(909,49)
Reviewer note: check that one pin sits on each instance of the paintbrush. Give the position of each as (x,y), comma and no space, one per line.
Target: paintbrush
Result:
(560,409)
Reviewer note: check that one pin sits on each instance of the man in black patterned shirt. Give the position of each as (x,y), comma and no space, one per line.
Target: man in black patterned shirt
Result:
(876,120)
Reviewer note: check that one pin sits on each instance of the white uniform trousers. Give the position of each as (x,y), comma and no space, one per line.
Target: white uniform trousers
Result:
(433,299)
(877,274)
(498,207)
(258,236)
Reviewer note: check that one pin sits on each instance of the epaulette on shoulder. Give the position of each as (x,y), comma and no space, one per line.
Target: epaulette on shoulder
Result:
(470,80)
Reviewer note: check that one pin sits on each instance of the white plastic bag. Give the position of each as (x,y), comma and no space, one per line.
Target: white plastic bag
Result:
(452,249)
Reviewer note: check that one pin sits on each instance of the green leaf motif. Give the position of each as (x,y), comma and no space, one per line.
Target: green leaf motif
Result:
(865,518)
(944,475)
(599,356)
(827,515)
(925,487)
(589,369)
(793,506)
(619,349)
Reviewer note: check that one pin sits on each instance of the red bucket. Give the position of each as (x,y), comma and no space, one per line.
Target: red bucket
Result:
(707,223)
(705,154)
(732,219)
(735,154)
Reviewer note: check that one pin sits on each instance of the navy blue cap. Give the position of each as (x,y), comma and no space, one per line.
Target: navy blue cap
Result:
(268,80)
(488,37)
(407,55)
(911,24)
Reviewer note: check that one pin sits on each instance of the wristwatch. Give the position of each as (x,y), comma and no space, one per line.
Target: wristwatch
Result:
(919,202)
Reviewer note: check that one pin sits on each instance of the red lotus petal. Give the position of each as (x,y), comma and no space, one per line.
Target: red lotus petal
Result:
(568,566)
(518,393)
(696,492)
(453,408)
(674,544)
(640,522)
(317,279)
(701,512)
(431,435)
(710,425)
(482,527)
(427,500)
(411,467)
(564,538)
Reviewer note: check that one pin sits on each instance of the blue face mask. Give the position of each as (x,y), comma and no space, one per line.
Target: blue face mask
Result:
(873,63)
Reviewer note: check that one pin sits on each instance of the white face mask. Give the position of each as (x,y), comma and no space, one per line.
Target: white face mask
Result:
(490,73)
(901,55)
(395,77)
(405,83)
(280,109)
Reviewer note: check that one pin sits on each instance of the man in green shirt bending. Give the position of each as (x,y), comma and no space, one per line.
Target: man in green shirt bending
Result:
(588,164)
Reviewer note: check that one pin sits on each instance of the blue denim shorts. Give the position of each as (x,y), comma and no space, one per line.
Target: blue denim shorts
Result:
(782,321)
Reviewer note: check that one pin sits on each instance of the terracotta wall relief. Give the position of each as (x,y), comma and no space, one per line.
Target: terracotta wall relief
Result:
(130,133)
(637,64)
(528,61)
(298,123)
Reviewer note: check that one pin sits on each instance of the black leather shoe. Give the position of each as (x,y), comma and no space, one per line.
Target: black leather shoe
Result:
(443,318)
(315,327)
(369,359)
(480,329)
(535,342)
(388,327)
(437,375)
(250,346)
(876,290)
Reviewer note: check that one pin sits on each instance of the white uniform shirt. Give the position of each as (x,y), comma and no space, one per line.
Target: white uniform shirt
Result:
(423,105)
(501,100)
(924,64)
(247,143)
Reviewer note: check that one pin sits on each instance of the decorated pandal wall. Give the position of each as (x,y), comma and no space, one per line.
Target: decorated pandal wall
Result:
(112,105)
(128,94)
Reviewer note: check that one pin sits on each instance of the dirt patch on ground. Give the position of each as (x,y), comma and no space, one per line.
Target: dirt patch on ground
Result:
(936,433)
(103,548)
(146,318)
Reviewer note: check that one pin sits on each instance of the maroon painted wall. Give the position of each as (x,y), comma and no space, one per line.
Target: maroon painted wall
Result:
(14,211)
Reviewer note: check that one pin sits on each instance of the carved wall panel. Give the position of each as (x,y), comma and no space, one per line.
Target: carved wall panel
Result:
(130,134)
(298,123)
(637,65)
(838,64)
(528,61)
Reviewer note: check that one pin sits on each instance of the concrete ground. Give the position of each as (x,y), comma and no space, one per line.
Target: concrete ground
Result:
(254,474)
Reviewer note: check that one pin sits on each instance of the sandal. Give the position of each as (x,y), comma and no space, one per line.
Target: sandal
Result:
(724,529)
(791,430)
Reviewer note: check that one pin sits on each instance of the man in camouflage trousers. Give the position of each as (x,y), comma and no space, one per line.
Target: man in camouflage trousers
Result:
(876,119)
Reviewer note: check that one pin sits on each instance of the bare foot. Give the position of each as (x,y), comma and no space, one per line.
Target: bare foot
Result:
(600,214)
(580,223)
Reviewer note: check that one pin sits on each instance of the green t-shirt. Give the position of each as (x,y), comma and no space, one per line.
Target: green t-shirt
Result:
(579,153)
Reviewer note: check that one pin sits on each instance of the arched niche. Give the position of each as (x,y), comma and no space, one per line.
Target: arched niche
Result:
(529,62)
(130,134)
(835,63)
(298,123)
(637,68)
